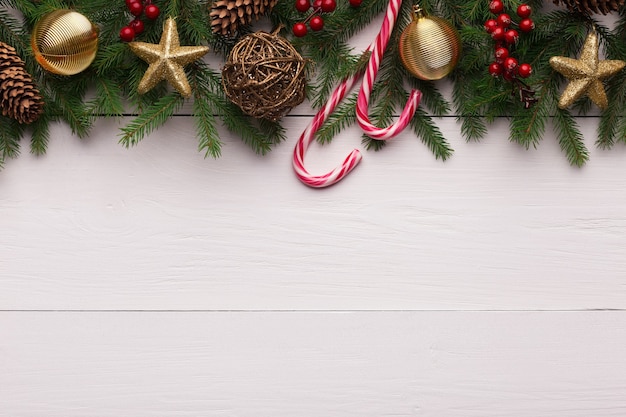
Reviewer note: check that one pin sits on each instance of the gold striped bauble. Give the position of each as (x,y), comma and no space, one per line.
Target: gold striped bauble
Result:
(429,46)
(64,42)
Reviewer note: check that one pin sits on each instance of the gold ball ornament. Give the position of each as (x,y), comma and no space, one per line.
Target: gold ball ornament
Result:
(64,42)
(429,46)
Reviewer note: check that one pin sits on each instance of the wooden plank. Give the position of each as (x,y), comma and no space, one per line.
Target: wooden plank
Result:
(436,364)
(95,226)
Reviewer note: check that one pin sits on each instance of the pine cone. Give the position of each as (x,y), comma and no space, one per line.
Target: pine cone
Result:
(19,98)
(8,57)
(228,15)
(591,6)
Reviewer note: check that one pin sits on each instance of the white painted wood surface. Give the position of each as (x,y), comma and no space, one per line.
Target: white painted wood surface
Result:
(433,364)
(153,282)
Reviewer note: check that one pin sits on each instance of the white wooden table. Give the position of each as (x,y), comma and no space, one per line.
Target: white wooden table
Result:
(153,282)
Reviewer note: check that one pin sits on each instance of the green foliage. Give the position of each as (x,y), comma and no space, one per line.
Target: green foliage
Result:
(109,87)
(480,99)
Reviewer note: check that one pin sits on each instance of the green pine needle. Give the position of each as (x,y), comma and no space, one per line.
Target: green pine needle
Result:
(431,135)
(40,136)
(343,117)
(151,119)
(10,135)
(570,139)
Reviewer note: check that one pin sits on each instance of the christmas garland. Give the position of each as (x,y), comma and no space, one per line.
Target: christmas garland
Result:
(536,70)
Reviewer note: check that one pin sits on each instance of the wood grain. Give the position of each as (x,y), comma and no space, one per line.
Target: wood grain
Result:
(433,364)
(154,282)
(95,226)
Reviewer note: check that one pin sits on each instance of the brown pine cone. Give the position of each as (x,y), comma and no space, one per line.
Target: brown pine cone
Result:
(228,15)
(591,6)
(19,98)
(8,57)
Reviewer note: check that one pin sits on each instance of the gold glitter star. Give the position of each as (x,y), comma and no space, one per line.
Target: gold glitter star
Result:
(585,75)
(166,60)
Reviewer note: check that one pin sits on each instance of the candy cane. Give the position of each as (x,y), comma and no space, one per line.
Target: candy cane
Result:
(362,105)
(352,160)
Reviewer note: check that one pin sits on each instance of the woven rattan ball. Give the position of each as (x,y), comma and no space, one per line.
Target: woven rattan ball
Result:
(264,75)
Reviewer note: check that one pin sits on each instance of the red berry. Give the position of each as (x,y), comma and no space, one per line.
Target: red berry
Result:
(511,36)
(495,69)
(525,70)
(496,6)
(316,23)
(491,25)
(299,29)
(128,2)
(510,64)
(303,5)
(137,26)
(498,34)
(152,11)
(504,20)
(501,54)
(355,3)
(328,6)
(127,34)
(526,25)
(524,11)
(136,8)
(317,4)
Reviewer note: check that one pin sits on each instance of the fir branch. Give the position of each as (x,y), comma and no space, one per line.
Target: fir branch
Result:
(612,125)
(70,104)
(431,135)
(247,128)
(570,139)
(473,127)
(431,97)
(274,131)
(333,70)
(205,84)
(42,8)
(192,21)
(111,58)
(10,134)
(209,140)
(151,119)
(108,99)
(10,32)
(528,125)
(343,117)
(40,135)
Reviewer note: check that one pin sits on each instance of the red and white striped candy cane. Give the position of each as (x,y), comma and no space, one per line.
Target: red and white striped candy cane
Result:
(352,160)
(362,104)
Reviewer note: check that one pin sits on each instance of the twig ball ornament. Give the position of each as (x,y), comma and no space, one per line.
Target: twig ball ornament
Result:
(264,75)
(429,46)
(64,42)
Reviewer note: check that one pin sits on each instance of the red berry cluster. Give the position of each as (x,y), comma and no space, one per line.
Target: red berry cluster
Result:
(136,26)
(315,21)
(505,36)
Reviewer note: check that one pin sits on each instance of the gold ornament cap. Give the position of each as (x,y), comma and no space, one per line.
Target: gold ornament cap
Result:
(430,47)
(64,42)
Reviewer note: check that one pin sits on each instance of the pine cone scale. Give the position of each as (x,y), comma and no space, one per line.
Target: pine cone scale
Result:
(19,97)
(228,15)
(591,6)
